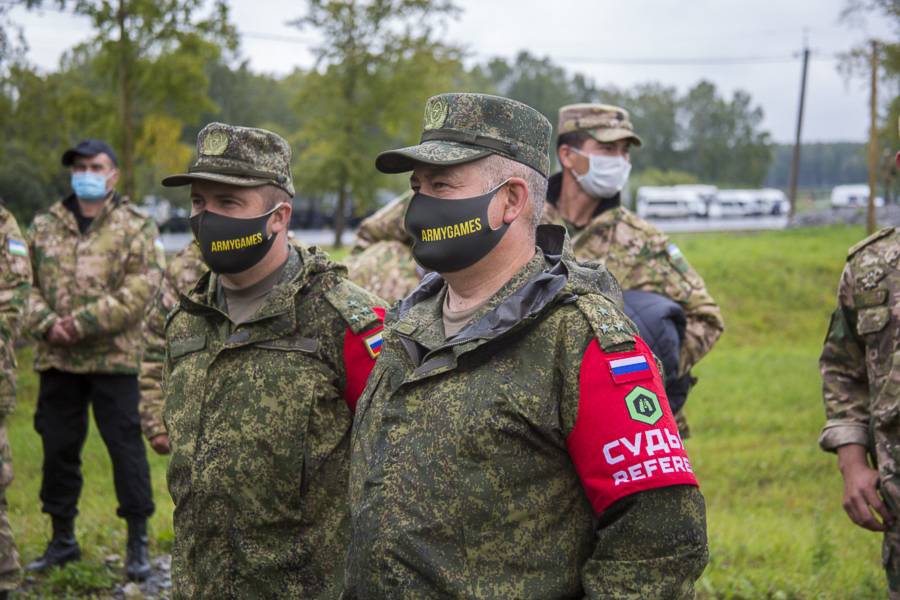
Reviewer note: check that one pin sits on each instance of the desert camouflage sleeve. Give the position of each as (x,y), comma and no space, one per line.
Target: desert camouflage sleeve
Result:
(125,306)
(39,317)
(151,404)
(845,387)
(15,286)
(704,317)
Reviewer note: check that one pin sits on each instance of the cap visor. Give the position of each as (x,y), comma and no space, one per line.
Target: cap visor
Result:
(430,153)
(614,135)
(189,178)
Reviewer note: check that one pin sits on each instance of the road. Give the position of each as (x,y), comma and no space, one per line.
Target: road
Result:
(173,242)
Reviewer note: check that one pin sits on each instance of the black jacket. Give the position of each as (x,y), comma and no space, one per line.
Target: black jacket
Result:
(661,323)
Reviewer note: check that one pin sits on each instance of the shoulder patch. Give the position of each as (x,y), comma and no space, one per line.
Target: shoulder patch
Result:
(17,247)
(355,305)
(869,240)
(613,330)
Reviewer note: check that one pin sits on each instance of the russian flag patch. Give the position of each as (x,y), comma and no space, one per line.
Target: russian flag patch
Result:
(630,368)
(17,247)
(373,343)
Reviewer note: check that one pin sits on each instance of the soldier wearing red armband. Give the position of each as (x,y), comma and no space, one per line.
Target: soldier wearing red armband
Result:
(514,440)
(265,359)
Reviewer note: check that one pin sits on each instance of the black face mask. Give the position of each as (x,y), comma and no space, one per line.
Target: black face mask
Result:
(451,235)
(231,244)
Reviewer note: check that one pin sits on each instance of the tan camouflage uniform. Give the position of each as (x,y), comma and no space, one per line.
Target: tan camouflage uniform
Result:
(15,285)
(182,273)
(380,260)
(259,414)
(92,278)
(861,373)
(642,258)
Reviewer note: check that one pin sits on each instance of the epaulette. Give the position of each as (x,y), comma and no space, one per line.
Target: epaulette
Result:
(613,331)
(872,238)
(354,304)
(138,211)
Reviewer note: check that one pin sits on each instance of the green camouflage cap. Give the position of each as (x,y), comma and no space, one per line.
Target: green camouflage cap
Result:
(603,122)
(460,128)
(242,156)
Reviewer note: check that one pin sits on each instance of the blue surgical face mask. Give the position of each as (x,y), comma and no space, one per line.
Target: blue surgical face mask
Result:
(89,187)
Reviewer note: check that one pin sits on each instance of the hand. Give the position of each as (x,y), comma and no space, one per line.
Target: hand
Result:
(160,444)
(68,324)
(861,499)
(59,335)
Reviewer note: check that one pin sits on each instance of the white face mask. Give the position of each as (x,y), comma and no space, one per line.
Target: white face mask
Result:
(606,175)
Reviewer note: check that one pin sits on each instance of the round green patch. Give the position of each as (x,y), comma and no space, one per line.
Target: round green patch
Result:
(215,143)
(643,405)
(436,113)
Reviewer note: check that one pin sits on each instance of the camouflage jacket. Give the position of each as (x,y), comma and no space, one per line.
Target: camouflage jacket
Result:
(259,419)
(15,285)
(182,273)
(493,464)
(860,372)
(105,278)
(642,258)
(380,260)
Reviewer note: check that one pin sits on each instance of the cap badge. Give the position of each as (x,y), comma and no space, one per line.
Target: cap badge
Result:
(435,113)
(215,143)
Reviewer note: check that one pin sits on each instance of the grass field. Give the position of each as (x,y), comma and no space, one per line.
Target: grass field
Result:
(775,522)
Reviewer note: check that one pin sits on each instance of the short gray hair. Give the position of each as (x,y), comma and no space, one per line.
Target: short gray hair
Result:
(496,169)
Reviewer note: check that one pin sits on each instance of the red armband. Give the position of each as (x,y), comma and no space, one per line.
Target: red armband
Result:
(360,352)
(625,439)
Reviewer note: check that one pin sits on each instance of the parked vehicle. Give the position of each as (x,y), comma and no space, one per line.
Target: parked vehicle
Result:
(852,195)
(773,201)
(705,195)
(665,202)
(734,203)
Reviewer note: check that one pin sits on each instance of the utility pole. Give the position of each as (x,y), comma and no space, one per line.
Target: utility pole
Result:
(873,143)
(795,163)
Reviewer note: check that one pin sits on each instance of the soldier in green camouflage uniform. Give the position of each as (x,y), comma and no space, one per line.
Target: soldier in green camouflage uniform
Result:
(15,285)
(97,262)
(861,385)
(514,440)
(182,272)
(265,359)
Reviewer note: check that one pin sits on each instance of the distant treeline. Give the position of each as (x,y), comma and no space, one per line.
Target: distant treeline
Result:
(822,165)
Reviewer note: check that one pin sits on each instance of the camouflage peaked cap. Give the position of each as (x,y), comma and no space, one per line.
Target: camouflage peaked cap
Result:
(460,128)
(603,122)
(242,156)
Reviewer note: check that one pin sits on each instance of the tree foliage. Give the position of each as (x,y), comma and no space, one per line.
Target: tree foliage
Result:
(377,63)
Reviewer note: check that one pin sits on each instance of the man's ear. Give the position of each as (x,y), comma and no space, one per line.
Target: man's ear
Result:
(564,153)
(281,218)
(113,179)
(516,199)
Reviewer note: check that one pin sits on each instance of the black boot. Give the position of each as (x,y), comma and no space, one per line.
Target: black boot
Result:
(63,547)
(137,563)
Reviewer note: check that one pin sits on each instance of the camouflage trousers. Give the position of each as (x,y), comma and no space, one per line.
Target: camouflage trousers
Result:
(10,570)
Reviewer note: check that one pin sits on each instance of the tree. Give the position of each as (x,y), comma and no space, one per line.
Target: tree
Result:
(150,55)
(721,139)
(375,67)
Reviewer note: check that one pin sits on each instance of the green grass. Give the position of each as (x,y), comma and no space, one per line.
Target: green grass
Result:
(776,527)
(775,523)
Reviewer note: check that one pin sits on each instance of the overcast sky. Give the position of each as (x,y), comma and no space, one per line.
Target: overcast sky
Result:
(610,41)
